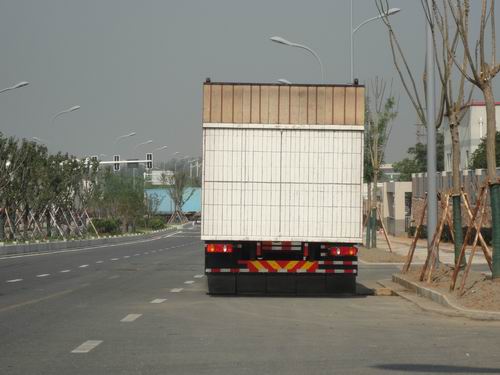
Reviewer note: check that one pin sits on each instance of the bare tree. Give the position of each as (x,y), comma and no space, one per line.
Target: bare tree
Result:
(481,73)
(381,111)
(454,97)
(416,93)
(179,194)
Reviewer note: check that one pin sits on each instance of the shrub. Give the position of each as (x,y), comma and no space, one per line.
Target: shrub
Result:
(109,226)
(156,223)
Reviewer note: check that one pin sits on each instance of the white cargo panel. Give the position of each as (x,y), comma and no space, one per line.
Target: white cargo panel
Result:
(282,182)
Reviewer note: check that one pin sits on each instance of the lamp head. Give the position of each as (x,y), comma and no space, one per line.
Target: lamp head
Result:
(392,11)
(21,84)
(280,40)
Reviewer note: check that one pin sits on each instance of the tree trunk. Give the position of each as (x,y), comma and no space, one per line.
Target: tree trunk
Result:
(47,221)
(368,215)
(2,224)
(456,196)
(374,209)
(491,167)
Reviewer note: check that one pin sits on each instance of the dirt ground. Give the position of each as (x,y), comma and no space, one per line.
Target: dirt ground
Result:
(379,256)
(480,292)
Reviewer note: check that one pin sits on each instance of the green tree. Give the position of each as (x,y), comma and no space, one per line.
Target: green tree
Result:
(478,158)
(417,162)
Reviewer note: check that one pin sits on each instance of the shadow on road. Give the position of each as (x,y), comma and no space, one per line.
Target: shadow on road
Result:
(445,369)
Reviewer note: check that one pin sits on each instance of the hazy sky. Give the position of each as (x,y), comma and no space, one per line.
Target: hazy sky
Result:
(139,65)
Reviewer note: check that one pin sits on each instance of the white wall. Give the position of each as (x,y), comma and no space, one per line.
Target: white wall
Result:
(471,131)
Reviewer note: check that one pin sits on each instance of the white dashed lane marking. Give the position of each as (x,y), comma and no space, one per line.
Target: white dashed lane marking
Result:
(87,346)
(83,266)
(189,282)
(158,300)
(43,275)
(113,259)
(65,271)
(126,256)
(198,276)
(130,318)
(14,280)
(176,290)
(136,255)
(113,277)
(146,253)
(100,261)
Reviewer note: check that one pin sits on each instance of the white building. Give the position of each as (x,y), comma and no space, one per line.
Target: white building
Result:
(471,130)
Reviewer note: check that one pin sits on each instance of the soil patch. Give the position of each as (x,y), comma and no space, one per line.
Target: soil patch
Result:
(480,292)
(379,256)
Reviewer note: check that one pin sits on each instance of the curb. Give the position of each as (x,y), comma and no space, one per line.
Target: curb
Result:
(44,247)
(436,297)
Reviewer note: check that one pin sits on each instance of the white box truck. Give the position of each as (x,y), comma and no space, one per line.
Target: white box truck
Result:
(281,188)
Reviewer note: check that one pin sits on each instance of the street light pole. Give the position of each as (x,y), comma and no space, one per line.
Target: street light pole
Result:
(431,138)
(390,12)
(280,40)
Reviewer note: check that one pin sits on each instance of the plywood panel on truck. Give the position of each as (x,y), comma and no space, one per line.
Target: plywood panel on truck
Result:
(288,170)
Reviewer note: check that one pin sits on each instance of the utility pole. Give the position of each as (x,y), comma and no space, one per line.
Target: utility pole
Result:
(431,138)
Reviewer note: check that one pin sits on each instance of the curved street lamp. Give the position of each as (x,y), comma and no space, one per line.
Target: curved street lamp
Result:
(160,148)
(39,140)
(280,40)
(74,108)
(125,136)
(144,143)
(16,86)
(390,12)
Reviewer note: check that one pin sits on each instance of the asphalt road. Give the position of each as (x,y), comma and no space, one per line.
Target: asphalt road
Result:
(142,308)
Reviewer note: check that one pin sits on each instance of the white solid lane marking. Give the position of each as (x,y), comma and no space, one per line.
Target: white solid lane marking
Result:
(198,276)
(113,259)
(83,266)
(189,282)
(158,300)
(87,346)
(100,261)
(14,280)
(176,290)
(43,275)
(83,248)
(130,318)
(65,271)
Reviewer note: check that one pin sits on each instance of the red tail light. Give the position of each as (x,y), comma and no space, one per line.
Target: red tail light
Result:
(343,251)
(219,248)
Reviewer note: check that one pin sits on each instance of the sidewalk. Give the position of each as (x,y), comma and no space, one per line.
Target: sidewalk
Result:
(401,245)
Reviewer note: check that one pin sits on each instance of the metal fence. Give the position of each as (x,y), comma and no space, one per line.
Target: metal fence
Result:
(471,180)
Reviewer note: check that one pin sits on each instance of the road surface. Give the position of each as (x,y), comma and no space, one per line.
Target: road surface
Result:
(142,308)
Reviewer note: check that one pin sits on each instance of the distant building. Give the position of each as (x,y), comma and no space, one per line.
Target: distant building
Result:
(472,130)
(158,177)
(388,173)
(166,207)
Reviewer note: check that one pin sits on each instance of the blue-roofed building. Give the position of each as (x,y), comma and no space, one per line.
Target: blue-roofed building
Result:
(167,205)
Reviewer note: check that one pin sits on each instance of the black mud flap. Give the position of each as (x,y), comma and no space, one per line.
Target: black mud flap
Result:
(281,284)
(221,283)
(341,284)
